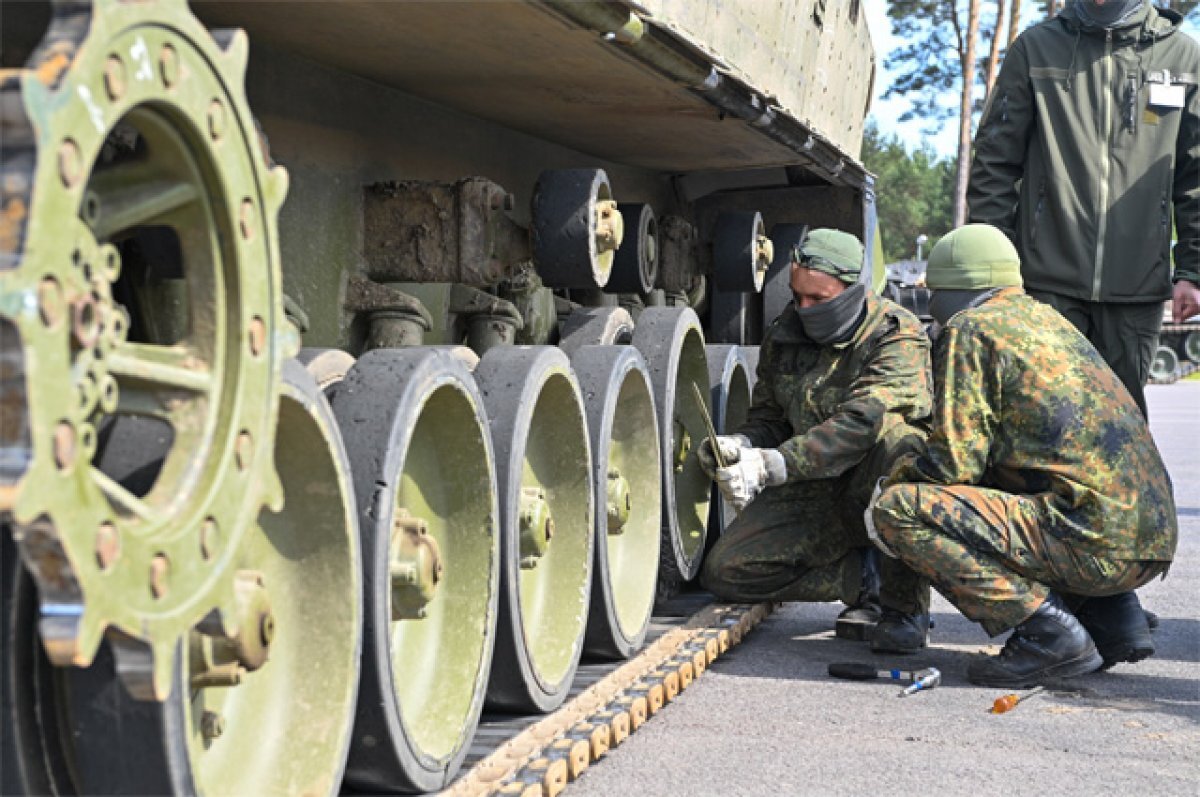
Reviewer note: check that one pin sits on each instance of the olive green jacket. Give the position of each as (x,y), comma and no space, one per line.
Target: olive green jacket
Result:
(825,407)
(1026,405)
(1077,164)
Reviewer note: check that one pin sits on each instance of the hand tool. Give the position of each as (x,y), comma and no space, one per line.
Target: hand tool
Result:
(921,680)
(1010,701)
(708,426)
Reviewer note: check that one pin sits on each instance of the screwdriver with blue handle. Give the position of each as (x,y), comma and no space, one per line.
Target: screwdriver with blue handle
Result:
(921,680)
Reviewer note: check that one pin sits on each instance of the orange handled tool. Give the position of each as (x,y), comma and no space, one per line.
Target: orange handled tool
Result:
(1008,702)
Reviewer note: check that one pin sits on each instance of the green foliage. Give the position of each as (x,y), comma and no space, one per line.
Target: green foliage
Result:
(914,191)
(926,66)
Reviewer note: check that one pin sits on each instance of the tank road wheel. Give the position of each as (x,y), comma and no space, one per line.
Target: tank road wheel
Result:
(35,761)
(1189,346)
(624,439)
(750,355)
(302,585)
(635,266)
(143,280)
(287,659)
(596,326)
(741,252)
(328,366)
(1165,366)
(777,287)
(729,377)
(576,228)
(673,344)
(544,472)
(413,422)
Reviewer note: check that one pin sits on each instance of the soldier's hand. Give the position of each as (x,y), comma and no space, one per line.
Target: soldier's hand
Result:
(1185,301)
(756,469)
(731,447)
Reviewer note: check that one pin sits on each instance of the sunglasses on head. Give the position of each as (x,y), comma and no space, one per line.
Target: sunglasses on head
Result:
(804,261)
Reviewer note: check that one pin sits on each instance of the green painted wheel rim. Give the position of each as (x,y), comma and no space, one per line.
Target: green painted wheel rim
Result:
(437,661)
(553,594)
(633,554)
(693,487)
(308,556)
(737,400)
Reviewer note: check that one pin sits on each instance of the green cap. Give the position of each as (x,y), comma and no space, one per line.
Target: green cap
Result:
(973,257)
(834,252)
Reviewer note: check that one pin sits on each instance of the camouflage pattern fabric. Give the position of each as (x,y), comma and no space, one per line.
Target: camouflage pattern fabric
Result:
(990,554)
(825,407)
(1126,335)
(1040,471)
(803,541)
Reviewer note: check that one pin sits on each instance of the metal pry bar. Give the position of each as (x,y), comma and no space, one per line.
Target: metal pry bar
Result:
(708,425)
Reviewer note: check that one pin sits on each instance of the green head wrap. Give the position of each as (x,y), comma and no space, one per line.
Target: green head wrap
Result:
(973,257)
(833,252)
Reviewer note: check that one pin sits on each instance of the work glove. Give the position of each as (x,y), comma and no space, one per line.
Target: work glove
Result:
(730,446)
(869,520)
(755,469)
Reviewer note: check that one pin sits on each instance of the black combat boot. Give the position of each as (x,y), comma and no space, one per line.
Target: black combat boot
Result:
(897,632)
(1051,643)
(857,619)
(1118,626)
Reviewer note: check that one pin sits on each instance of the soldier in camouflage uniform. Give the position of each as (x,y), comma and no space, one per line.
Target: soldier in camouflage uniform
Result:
(1039,478)
(843,388)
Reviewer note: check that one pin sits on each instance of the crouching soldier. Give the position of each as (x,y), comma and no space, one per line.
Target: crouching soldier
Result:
(1038,480)
(843,388)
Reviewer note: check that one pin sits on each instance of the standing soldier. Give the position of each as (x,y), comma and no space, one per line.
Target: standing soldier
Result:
(1039,478)
(843,388)
(1090,137)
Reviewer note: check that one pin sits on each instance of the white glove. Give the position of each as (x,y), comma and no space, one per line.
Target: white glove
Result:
(730,446)
(755,469)
(869,521)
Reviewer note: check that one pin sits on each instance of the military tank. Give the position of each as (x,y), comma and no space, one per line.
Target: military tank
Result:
(1178,350)
(349,355)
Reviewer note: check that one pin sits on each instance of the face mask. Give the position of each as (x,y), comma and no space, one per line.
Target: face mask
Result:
(945,304)
(1109,14)
(835,320)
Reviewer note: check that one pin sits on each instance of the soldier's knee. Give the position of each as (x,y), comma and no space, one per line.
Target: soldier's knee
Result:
(895,513)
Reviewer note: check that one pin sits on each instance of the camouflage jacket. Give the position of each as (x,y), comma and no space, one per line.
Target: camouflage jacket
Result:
(1026,405)
(825,407)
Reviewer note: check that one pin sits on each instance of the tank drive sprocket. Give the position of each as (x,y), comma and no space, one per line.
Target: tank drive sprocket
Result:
(140,281)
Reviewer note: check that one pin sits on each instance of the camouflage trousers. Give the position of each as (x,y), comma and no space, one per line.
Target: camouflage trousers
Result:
(804,541)
(990,554)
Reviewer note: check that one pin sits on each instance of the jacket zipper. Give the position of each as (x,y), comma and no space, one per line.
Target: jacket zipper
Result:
(1106,120)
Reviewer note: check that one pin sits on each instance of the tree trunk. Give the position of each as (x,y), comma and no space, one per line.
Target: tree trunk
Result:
(1014,21)
(966,107)
(989,75)
(1051,8)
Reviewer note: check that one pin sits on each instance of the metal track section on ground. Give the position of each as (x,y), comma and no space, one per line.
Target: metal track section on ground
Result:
(540,755)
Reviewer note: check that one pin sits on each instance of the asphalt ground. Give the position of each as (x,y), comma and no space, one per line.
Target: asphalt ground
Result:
(768,720)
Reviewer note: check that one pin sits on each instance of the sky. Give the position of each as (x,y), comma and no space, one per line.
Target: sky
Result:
(887,112)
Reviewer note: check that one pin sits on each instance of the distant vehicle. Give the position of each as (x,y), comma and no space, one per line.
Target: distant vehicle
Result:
(1178,352)
(906,286)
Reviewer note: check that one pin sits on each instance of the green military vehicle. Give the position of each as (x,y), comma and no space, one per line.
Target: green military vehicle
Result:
(347,354)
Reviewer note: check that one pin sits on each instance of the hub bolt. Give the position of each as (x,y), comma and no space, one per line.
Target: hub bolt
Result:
(212,725)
